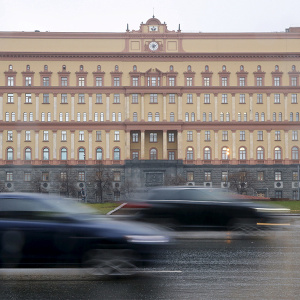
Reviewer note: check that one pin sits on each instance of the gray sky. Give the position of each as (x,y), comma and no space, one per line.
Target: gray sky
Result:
(113,15)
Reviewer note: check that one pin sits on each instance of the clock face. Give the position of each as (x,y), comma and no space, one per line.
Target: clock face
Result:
(153,46)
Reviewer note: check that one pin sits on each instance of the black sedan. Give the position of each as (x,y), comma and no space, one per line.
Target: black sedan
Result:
(37,230)
(187,208)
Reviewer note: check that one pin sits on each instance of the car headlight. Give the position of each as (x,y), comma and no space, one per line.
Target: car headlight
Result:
(273,210)
(147,238)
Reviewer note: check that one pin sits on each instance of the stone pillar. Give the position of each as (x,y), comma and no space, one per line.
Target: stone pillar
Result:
(165,143)
(127,107)
(72,107)
(268,108)
(127,145)
(1,143)
(54,107)
(107,144)
(286,139)
(37,106)
(1,108)
(54,144)
(216,145)
(179,107)
(233,151)
(251,107)
(142,144)
(90,107)
(285,107)
(269,144)
(233,106)
(19,107)
(179,144)
(216,107)
(251,145)
(164,107)
(107,107)
(18,144)
(36,150)
(198,115)
(142,107)
(72,144)
(90,144)
(198,145)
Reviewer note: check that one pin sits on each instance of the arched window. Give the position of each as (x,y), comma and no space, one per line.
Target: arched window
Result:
(84,117)
(262,117)
(172,117)
(119,117)
(153,154)
(10,154)
(239,117)
(78,117)
(102,117)
(31,117)
(225,151)
(260,153)
(256,116)
(46,154)
(222,117)
(134,68)
(258,68)
(207,153)
(189,68)
(25,117)
(276,68)
(204,117)
(49,117)
(297,117)
(227,117)
(96,117)
(210,117)
(13,117)
(186,117)
(157,117)
(81,67)
(67,117)
(242,68)
(27,154)
(81,154)
(295,153)
(223,68)
(171,68)
(245,117)
(242,153)
(116,68)
(63,154)
(135,117)
(149,117)
(293,67)
(117,154)
(193,117)
(206,68)
(99,154)
(113,118)
(60,117)
(280,117)
(277,153)
(98,68)
(189,153)
(291,117)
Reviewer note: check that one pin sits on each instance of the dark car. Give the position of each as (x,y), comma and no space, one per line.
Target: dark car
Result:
(208,208)
(45,231)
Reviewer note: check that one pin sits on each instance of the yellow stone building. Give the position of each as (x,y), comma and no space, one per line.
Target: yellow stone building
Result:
(207,101)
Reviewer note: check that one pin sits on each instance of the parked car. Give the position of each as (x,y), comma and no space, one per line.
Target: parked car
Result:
(37,230)
(205,208)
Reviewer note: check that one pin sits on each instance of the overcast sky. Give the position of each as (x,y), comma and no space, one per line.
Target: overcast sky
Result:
(113,15)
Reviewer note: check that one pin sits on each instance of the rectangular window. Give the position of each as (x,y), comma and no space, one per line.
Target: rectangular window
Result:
(171,98)
(190,136)
(260,135)
(278,176)
(242,135)
(98,136)
(27,81)
(153,137)
(295,176)
(294,81)
(45,98)
(27,176)
(225,135)
(295,135)
(10,81)
(10,98)
(260,176)
(171,137)
(45,176)
(81,98)
(117,136)
(98,81)
(116,81)
(171,81)
(242,81)
(259,81)
(171,155)
(294,98)
(189,98)
(46,135)
(81,135)
(276,81)
(63,176)
(27,98)
(207,135)
(135,81)
(81,81)
(189,81)
(153,98)
(206,81)
(224,98)
(116,98)
(242,98)
(81,176)
(46,81)
(117,176)
(207,176)
(224,81)
(135,98)
(277,98)
(277,135)
(259,98)
(64,136)
(64,81)
(98,98)
(9,135)
(190,176)
(224,176)
(135,137)
(64,98)
(135,155)
(27,135)
(278,194)
(9,176)
(206,98)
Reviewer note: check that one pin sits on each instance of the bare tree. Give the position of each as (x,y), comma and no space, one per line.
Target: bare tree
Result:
(240,182)
(129,189)
(102,180)
(174,180)
(66,184)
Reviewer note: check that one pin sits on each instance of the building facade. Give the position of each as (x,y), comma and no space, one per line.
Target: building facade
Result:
(151,104)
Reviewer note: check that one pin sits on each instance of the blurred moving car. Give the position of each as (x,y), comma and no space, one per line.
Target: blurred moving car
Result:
(37,230)
(207,208)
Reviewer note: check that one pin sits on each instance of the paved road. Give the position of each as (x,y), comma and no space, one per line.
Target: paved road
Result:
(223,266)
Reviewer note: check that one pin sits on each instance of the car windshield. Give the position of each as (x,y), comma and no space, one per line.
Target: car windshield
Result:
(191,194)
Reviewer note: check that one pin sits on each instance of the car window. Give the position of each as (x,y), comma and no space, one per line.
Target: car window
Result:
(22,204)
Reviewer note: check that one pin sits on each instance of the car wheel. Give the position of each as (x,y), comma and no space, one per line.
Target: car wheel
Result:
(110,262)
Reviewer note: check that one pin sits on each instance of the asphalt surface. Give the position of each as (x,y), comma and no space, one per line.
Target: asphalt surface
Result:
(207,265)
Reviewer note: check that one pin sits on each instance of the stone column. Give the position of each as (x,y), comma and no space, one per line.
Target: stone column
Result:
(72,107)
(72,144)
(198,115)
(127,144)
(251,145)
(54,107)
(37,106)
(54,144)
(107,144)
(216,107)
(142,107)
(286,139)
(268,108)
(142,144)
(269,144)
(164,107)
(127,107)
(107,107)
(18,144)
(19,107)
(1,143)
(216,145)
(90,133)
(198,145)
(1,108)
(179,107)
(90,107)
(233,106)
(251,107)
(36,151)
(285,107)
(233,151)
(179,144)
(165,152)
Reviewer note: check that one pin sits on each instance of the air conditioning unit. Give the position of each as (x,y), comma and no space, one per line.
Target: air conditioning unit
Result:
(278,185)
(225,185)
(207,184)
(80,185)
(116,185)
(243,185)
(9,186)
(45,185)
(295,185)
(190,183)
